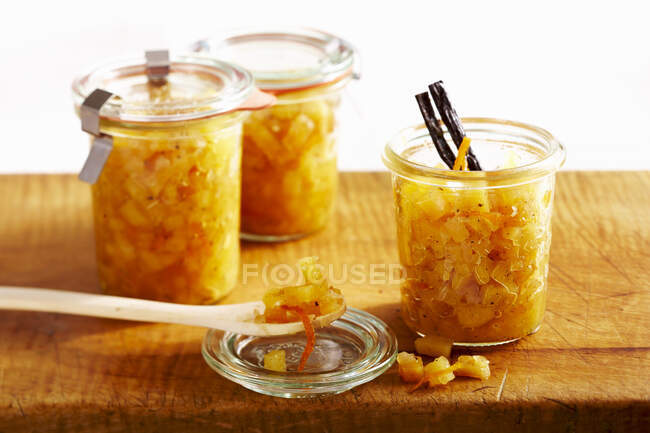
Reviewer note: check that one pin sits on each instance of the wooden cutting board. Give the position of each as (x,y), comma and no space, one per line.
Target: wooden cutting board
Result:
(587,369)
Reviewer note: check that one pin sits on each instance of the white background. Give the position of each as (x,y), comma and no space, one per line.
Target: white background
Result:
(581,70)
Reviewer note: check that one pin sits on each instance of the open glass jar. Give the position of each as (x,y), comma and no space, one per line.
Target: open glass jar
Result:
(166,200)
(289,173)
(475,245)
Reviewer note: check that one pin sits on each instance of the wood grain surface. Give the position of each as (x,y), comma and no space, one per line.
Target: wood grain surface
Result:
(587,369)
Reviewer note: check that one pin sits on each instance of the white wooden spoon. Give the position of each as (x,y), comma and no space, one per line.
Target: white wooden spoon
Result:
(238,318)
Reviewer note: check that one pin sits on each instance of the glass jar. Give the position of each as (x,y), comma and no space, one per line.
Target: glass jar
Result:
(475,245)
(166,203)
(289,173)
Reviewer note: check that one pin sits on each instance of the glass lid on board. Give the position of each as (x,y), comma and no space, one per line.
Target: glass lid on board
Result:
(351,351)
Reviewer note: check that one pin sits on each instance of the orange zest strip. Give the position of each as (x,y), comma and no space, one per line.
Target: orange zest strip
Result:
(309,331)
(461,162)
(419,384)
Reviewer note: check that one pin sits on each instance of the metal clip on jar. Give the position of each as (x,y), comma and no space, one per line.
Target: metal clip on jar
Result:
(165,167)
(289,171)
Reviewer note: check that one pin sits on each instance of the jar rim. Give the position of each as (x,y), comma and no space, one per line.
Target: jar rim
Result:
(228,87)
(553,159)
(297,58)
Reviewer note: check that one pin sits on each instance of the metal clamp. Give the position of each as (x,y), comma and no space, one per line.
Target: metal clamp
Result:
(102,144)
(356,72)
(157,66)
(333,47)
(356,59)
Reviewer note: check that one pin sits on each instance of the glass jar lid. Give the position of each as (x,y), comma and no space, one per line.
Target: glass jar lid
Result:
(284,59)
(194,87)
(351,351)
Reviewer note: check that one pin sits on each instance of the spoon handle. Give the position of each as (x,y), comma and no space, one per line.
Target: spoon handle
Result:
(237,318)
(114,307)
